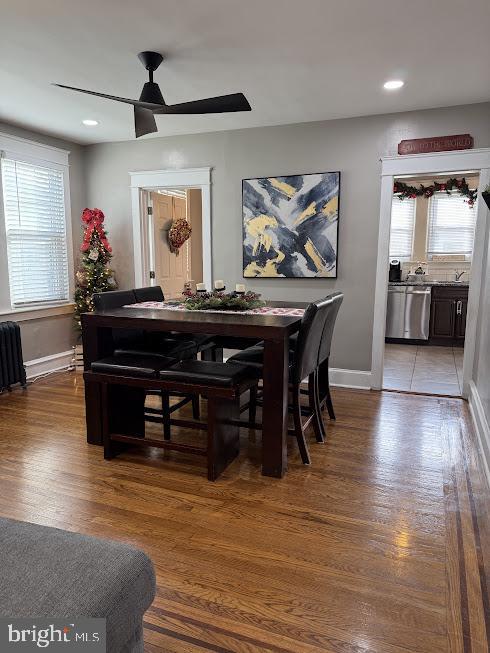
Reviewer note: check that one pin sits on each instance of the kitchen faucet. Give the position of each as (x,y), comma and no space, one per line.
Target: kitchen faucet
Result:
(458,275)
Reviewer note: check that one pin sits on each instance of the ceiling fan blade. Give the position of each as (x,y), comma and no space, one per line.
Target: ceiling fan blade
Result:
(220,104)
(144,121)
(136,103)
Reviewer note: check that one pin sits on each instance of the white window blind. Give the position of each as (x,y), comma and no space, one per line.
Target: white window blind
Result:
(402,227)
(34,209)
(451,225)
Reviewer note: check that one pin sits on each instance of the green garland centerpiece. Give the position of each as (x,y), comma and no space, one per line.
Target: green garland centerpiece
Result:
(404,191)
(221,301)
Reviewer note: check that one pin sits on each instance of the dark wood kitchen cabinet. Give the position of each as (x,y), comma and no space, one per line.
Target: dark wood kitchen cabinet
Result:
(460,324)
(442,315)
(448,314)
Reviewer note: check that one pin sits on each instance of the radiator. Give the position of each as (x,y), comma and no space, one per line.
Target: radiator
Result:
(12,368)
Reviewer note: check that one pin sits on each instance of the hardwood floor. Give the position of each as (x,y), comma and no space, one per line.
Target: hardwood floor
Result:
(381,546)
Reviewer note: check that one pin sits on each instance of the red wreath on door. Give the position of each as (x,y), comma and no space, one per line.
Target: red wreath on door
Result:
(179,232)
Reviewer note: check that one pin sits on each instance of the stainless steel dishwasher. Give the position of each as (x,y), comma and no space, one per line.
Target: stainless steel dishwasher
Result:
(408,312)
(395,311)
(417,312)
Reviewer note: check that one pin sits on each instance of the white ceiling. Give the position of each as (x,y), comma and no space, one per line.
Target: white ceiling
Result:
(296,61)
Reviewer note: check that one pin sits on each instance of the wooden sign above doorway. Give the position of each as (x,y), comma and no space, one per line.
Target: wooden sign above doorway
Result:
(436,144)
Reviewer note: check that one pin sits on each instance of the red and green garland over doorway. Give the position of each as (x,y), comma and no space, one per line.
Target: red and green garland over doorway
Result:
(404,191)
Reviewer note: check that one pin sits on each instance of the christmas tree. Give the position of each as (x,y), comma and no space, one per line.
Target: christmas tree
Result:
(94,274)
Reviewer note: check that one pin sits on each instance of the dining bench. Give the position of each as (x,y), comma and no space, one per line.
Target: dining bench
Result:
(220,383)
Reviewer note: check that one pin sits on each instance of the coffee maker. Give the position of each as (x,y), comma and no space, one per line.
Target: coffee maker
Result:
(395,270)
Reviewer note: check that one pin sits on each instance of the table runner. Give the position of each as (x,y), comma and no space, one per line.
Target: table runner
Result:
(264,310)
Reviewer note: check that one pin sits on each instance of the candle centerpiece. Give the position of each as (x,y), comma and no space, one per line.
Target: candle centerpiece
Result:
(219,300)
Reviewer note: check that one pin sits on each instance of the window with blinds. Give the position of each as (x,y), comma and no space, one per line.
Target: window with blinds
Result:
(35,224)
(402,227)
(451,227)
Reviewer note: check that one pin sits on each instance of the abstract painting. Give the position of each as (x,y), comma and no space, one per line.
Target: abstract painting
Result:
(290,225)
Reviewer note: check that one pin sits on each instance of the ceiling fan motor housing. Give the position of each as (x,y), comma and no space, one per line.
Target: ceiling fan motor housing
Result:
(151,93)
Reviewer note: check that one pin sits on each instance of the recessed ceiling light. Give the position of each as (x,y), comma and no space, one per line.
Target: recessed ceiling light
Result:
(90,123)
(393,84)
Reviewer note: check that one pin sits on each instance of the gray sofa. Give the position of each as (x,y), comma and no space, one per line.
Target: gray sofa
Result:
(47,572)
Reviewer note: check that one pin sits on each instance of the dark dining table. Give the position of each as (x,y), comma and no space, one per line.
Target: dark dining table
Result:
(274,330)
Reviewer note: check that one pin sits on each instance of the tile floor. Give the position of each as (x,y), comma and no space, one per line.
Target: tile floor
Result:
(432,370)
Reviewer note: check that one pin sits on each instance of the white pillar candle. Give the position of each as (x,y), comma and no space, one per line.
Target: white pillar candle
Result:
(219,284)
(200,286)
(240,287)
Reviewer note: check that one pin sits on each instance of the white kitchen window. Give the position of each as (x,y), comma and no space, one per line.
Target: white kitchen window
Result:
(451,228)
(36,233)
(402,227)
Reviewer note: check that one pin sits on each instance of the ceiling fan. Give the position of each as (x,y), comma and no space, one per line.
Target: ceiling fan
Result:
(151,100)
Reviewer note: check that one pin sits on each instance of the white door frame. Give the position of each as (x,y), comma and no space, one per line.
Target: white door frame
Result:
(143,181)
(415,164)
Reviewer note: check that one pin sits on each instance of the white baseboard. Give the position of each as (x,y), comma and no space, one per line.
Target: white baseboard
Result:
(51,363)
(482,427)
(357,379)
(350,378)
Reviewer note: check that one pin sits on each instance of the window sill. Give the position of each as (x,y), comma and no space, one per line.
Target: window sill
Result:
(37,313)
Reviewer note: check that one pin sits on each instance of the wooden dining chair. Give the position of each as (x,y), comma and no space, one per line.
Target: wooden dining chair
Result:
(303,363)
(104,301)
(136,342)
(149,294)
(204,343)
(319,382)
(322,378)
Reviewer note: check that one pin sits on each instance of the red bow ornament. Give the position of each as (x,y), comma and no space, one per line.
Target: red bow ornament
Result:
(94,219)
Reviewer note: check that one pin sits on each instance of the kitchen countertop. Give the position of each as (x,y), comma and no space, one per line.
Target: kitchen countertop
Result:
(456,284)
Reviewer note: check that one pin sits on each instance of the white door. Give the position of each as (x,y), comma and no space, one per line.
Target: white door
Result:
(170,268)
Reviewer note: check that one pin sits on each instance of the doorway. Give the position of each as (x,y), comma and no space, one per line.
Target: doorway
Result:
(446,164)
(431,248)
(196,184)
(175,269)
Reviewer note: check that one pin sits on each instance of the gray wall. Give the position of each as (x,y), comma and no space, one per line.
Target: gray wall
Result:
(51,335)
(45,336)
(352,146)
